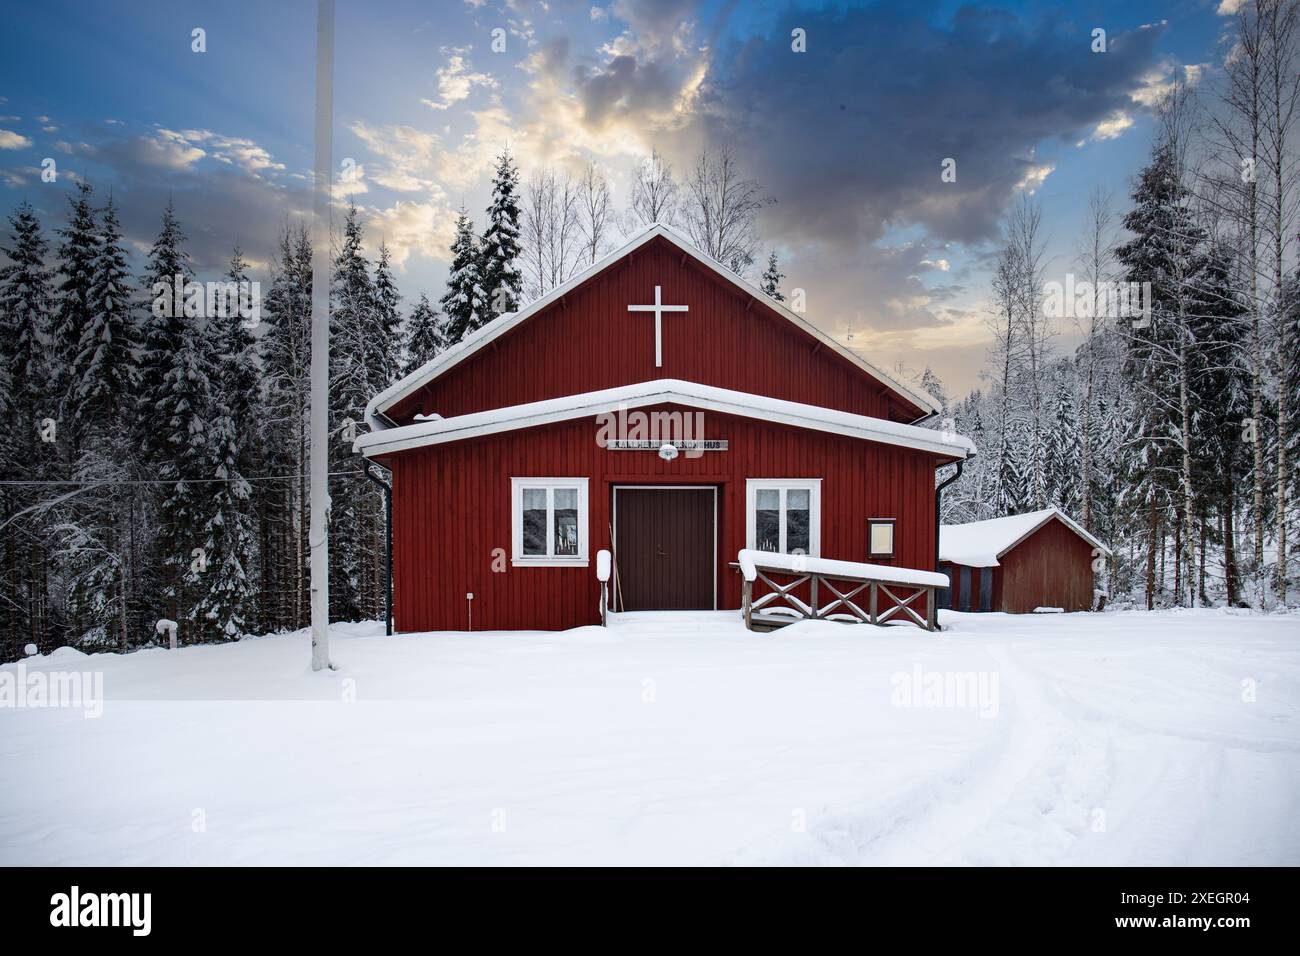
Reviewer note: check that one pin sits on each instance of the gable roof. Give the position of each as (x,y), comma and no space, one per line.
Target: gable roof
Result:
(979,544)
(498,327)
(659,392)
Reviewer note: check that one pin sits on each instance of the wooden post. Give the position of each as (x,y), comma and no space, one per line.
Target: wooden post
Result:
(873,602)
(812,594)
(931,612)
(747,590)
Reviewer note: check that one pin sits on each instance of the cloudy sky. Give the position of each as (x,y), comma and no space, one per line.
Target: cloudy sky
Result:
(848,136)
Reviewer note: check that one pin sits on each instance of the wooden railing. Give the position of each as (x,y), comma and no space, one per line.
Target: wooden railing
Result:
(845,586)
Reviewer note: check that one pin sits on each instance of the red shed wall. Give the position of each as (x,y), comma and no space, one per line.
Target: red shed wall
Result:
(451,508)
(590,341)
(1050,568)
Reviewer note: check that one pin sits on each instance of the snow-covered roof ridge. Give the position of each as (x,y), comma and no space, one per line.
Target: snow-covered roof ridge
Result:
(979,544)
(505,322)
(660,392)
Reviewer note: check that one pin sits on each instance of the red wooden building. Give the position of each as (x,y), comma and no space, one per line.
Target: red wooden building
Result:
(1019,564)
(658,406)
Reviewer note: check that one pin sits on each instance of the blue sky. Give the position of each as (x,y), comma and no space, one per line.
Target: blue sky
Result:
(848,137)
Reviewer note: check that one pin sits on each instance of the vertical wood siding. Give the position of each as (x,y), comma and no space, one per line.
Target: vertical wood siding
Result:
(451,510)
(590,341)
(1050,568)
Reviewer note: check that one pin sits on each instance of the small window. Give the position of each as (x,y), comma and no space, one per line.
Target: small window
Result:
(880,537)
(784,515)
(549,521)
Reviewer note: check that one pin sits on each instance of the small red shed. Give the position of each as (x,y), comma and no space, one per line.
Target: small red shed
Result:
(658,406)
(1019,564)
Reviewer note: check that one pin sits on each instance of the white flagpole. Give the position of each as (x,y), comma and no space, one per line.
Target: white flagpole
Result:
(320,339)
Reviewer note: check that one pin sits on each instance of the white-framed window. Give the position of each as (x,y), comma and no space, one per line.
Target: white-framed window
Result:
(548,521)
(784,515)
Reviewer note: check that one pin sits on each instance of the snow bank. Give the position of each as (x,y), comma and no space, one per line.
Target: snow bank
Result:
(749,561)
(679,739)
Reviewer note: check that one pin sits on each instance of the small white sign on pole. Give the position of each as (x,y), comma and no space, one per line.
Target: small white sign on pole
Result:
(167,627)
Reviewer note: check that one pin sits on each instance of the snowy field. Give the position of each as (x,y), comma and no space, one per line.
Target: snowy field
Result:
(1124,738)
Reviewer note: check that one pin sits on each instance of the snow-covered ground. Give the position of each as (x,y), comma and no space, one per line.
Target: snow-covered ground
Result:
(1123,738)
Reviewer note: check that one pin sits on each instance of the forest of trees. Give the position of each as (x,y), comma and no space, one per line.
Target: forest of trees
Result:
(1170,436)
(154,458)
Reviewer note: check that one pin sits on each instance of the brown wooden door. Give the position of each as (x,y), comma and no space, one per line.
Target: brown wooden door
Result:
(665,548)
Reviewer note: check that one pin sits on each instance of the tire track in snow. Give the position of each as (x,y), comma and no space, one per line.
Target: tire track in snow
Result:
(1024,770)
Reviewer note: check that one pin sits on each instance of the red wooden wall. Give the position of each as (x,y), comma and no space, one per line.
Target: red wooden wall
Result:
(589,341)
(1050,568)
(451,508)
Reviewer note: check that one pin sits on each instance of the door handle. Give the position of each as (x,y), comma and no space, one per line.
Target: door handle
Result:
(660,552)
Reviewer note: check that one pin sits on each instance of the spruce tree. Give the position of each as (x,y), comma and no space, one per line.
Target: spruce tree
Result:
(386,339)
(226,588)
(502,280)
(772,277)
(463,303)
(174,402)
(104,373)
(1063,449)
(352,320)
(26,303)
(78,250)
(281,506)
(94,531)
(425,335)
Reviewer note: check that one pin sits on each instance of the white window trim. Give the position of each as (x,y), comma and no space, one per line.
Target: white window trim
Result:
(521,560)
(814,488)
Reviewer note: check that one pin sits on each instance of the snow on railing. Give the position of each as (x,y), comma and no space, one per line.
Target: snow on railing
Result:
(845,580)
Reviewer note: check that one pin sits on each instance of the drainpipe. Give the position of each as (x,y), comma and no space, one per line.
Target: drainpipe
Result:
(938,494)
(388,546)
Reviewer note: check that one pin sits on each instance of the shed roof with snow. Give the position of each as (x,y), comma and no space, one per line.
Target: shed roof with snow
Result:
(979,544)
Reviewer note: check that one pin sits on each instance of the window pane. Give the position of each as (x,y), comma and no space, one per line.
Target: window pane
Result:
(566,521)
(768,499)
(797,540)
(882,538)
(767,529)
(534,521)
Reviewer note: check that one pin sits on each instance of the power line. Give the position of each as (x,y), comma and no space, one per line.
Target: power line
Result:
(95,482)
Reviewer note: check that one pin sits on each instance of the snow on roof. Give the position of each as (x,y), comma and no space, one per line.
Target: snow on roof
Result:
(482,336)
(660,392)
(979,544)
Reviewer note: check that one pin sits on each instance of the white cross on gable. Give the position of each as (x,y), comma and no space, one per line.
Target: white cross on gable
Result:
(658,309)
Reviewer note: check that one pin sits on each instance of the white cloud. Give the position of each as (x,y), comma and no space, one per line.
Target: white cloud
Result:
(11,140)
(1034,177)
(456,81)
(412,228)
(1113,126)
(1158,83)
(1228,7)
(234,151)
